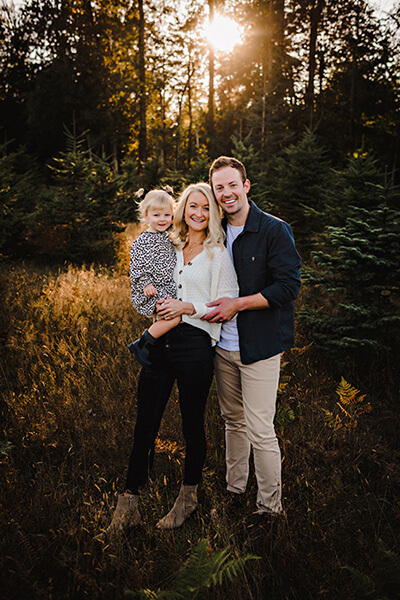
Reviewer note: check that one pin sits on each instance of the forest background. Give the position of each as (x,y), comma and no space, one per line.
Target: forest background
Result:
(100,99)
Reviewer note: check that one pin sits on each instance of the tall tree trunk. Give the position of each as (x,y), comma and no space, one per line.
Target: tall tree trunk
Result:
(395,169)
(178,134)
(321,69)
(353,84)
(115,158)
(211,68)
(280,23)
(142,90)
(264,109)
(266,75)
(162,127)
(190,112)
(112,141)
(315,19)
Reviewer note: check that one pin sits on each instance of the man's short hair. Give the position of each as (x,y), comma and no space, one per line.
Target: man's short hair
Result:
(227,161)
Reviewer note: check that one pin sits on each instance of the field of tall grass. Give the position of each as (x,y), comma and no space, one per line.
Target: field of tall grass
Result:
(68,388)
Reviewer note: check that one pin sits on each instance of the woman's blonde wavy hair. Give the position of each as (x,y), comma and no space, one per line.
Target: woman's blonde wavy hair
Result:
(215,234)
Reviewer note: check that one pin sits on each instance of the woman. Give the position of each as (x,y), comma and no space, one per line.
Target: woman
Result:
(203,272)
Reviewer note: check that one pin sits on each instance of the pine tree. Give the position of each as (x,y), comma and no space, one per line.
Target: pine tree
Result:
(301,191)
(356,186)
(20,188)
(244,151)
(77,222)
(128,185)
(358,277)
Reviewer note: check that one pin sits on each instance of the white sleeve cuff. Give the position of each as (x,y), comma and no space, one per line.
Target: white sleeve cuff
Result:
(201,310)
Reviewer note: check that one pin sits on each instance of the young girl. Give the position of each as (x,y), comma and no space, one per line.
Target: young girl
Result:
(152,266)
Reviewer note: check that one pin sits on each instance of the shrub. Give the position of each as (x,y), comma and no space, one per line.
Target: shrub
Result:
(20,191)
(358,276)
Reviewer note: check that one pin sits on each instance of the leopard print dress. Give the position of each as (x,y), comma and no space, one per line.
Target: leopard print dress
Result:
(153,260)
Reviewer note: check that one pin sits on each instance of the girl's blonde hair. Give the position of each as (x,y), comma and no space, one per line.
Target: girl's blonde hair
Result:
(153,200)
(215,233)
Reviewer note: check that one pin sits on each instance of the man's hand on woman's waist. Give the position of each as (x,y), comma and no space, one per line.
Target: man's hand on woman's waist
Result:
(226,308)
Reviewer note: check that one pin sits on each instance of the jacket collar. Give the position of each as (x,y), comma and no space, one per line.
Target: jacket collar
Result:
(252,221)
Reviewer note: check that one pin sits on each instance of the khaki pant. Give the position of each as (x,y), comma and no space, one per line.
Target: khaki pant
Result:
(247,398)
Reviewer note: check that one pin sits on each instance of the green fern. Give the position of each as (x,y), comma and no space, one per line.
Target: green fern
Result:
(284,415)
(5,448)
(389,571)
(385,583)
(333,421)
(203,570)
(364,585)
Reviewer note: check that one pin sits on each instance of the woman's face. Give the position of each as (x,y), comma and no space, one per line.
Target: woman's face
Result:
(197,212)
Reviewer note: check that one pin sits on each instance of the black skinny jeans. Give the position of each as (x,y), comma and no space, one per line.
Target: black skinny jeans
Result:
(184,354)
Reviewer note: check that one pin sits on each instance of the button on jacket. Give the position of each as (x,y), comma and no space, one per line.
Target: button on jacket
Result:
(266,261)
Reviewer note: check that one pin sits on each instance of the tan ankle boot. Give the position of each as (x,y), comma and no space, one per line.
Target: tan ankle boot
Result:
(185,504)
(126,514)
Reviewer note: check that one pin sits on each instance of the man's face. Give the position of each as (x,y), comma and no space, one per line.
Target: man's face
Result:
(230,191)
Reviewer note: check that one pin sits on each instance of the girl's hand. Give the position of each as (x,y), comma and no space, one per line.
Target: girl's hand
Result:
(150,291)
(171,308)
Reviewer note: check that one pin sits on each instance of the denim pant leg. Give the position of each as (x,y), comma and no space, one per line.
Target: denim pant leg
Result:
(194,381)
(154,389)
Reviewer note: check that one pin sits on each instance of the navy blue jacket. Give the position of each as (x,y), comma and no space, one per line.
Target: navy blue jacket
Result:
(266,261)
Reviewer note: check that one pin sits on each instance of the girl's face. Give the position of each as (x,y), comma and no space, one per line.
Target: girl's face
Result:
(158,219)
(197,212)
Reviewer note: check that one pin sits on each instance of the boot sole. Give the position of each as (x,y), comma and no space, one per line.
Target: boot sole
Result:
(158,526)
(133,350)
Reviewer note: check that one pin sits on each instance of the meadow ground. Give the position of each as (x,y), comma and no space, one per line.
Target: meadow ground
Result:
(67,407)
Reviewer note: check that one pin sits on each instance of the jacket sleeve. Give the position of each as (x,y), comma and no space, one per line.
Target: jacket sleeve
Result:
(139,270)
(284,266)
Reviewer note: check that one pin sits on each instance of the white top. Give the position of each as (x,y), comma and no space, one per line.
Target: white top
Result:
(203,279)
(229,339)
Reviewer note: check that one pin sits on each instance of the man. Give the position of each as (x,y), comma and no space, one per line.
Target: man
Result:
(247,358)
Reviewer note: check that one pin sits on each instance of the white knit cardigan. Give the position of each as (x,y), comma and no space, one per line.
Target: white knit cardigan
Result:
(203,279)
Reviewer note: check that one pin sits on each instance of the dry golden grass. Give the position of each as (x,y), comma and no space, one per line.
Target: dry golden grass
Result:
(68,410)
(125,239)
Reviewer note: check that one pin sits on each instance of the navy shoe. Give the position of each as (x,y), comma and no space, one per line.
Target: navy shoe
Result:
(141,348)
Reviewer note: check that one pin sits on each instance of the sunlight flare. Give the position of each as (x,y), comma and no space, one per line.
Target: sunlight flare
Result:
(223,33)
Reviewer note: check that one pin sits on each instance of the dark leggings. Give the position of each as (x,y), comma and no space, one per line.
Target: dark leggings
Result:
(183,355)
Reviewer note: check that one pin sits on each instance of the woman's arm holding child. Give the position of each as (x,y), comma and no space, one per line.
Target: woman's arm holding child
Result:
(170,308)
